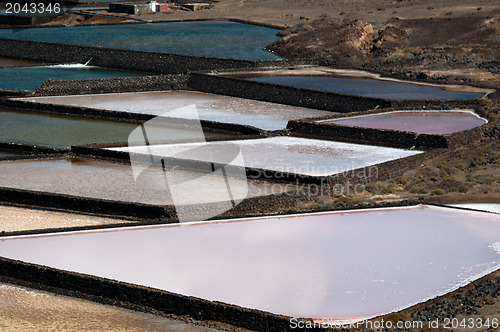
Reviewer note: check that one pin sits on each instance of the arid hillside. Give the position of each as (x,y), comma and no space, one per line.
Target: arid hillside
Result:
(456,49)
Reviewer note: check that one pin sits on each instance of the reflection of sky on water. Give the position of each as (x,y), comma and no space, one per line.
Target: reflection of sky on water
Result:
(263,115)
(369,87)
(208,38)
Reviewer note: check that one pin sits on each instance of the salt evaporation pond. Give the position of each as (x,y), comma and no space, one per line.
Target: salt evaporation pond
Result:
(282,154)
(58,131)
(420,122)
(263,115)
(368,87)
(331,265)
(31,78)
(23,219)
(116,182)
(208,38)
(487,207)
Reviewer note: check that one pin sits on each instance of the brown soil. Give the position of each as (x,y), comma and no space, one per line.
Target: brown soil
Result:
(438,48)
(276,12)
(72,19)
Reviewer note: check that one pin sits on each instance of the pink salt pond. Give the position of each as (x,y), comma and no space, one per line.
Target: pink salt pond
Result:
(331,265)
(115,182)
(421,122)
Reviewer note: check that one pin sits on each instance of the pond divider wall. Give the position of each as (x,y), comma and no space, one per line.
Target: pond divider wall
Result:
(383,137)
(112,85)
(436,104)
(13,93)
(157,62)
(86,205)
(329,101)
(32,149)
(137,297)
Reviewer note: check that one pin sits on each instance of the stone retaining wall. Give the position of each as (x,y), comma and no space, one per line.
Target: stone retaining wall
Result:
(86,205)
(112,85)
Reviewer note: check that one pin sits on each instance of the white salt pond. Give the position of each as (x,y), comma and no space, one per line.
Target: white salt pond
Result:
(487,207)
(263,115)
(281,154)
(330,265)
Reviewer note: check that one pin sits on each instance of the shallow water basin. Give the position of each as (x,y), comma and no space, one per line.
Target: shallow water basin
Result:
(59,131)
(32,78)
(118,182)
(263,115)
(282,154)
(207,38)
(420,122)
(368,87)
(331,265)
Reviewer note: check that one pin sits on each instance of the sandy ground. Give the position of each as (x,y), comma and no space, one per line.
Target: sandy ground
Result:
(274,12)
(21,219)
(24,309)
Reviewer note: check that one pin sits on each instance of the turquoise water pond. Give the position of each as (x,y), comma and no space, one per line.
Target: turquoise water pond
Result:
(208,38)
(31,78)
